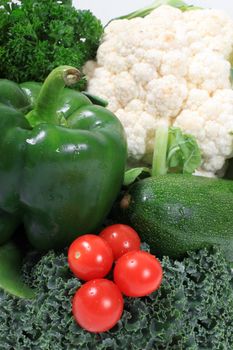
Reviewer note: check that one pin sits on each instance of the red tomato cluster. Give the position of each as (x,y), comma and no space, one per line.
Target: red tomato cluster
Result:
(98,304)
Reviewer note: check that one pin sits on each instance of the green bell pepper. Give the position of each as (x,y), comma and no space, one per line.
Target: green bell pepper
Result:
(62,160)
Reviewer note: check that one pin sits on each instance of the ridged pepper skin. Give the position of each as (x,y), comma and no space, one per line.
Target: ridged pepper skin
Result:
(62,163)
(13,129)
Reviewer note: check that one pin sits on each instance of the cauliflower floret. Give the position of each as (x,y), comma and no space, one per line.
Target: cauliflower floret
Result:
(143,72)
(211,121)
(166,96)
(214,28)
(154,57)
(170,65)
(116,63)
(137,145)
(134,106)
(164,15)
(174,63)
(192,123)
(196,98)
(125,92)
(209,71)
(89,69)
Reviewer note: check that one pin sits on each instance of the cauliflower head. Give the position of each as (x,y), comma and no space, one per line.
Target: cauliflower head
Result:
(173,66)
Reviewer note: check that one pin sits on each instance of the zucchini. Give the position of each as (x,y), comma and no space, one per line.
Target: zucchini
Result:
(177,213)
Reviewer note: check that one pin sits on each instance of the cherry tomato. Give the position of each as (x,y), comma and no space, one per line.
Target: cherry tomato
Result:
(97,305)
(137,273)
(121,238)
(90,256)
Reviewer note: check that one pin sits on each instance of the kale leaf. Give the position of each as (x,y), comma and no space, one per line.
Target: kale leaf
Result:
(193,309)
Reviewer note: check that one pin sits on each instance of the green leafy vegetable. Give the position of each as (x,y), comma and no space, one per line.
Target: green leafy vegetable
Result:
(132,174)
(10,272)
(231,77)
(175,152)
(193,309)
(147,10)
(37,36)
(183,152)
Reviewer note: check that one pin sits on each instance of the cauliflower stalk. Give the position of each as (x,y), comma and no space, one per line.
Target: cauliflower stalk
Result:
(174,152)
(171,64)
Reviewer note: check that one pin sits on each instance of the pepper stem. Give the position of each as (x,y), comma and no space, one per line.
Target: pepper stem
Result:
(45,110)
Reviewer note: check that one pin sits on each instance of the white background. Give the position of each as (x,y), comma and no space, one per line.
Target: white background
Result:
(108,9)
